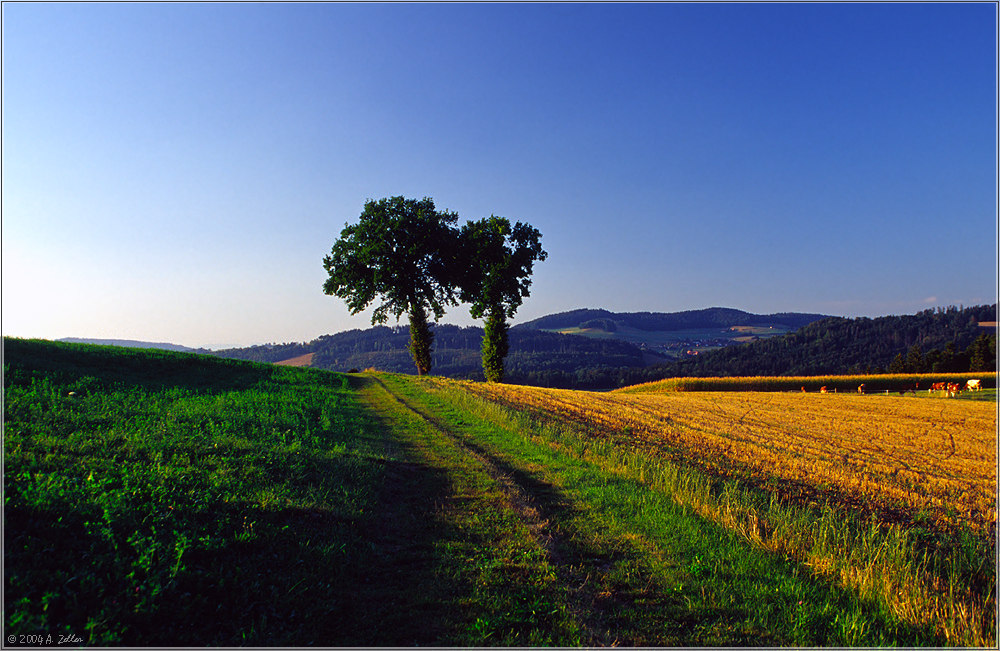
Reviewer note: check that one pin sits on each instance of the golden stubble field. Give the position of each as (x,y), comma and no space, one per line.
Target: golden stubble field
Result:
(896,456)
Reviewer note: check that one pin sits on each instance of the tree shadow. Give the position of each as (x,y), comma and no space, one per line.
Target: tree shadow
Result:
(363,575)
(314,577)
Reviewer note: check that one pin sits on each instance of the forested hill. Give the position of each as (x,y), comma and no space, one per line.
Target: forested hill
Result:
(933,340)
(713,317)
(533,354)
(942,340)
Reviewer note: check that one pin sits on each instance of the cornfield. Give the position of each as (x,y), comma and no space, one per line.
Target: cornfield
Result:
(881,383)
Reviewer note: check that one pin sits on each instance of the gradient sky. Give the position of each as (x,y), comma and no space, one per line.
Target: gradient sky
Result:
(176,172)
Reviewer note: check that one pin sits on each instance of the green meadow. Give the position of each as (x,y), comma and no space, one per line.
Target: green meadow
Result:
(167,499)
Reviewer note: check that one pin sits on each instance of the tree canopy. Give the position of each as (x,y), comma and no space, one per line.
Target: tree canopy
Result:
(398,250)
(402,251)
(499,260)
(497,263)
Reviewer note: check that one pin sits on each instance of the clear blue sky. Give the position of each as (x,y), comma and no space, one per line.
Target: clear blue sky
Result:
(176,172)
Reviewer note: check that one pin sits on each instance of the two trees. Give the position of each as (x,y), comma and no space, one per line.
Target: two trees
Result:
(413,257)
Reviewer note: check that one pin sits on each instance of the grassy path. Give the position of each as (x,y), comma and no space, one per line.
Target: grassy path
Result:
(488,541)
(631,566)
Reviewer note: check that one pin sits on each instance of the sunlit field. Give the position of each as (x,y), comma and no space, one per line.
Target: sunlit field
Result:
(885,453)
(164,499)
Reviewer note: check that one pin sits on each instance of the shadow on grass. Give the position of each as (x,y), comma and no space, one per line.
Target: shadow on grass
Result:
(313,578)
(362,576)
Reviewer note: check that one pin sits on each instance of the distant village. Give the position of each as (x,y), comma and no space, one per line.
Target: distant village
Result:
(693,346)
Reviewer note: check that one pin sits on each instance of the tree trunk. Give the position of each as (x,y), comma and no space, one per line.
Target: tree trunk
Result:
(421,339)
(495,346)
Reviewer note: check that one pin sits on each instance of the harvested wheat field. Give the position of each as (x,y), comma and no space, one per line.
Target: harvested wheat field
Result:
(300,361)
(893,456)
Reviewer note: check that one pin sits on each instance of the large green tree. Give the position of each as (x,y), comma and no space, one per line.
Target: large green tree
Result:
(496,261)
(402,251)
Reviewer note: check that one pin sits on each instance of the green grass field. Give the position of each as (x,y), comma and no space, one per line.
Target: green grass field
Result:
(164,499)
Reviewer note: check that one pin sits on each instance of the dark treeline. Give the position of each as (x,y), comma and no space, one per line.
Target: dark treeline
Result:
(942,340)
(934,341)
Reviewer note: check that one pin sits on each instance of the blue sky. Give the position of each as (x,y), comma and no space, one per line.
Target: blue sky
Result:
(176,172)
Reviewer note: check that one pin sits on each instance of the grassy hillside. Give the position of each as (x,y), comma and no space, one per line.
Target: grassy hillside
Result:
(165,499)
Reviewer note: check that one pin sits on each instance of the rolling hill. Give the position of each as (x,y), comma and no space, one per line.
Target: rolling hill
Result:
(932,340)
(709,318)
(941,340)
(131,343)
(598,349)
(674,334)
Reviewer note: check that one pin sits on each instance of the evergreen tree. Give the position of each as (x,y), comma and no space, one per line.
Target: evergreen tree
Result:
(982,353)
(914,360)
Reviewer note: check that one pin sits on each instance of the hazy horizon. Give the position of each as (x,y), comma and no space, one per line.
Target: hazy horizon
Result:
(176,172)
(401,324)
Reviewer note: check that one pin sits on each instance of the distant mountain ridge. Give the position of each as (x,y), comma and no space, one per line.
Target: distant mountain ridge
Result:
(712,317)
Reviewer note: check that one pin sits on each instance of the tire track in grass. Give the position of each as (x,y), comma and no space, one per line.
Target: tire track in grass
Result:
(490,542)
(520,501)
(612,595)
(543,508)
